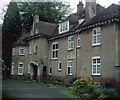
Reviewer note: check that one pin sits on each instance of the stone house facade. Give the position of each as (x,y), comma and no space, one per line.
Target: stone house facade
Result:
(85,44)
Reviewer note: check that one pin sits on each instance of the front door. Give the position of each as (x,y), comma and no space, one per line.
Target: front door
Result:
(44,71)
(35,72)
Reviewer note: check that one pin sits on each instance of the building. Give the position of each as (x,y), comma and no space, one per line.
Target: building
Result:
(85,44)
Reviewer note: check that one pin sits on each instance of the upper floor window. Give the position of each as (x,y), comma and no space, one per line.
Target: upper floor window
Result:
(64,27)
(35,49)
(78,42)
(59,66)
(22,51)
(70,67)
(20,68)
(96,36)
(96,66)
(55,50)
(13,51)
(70,43)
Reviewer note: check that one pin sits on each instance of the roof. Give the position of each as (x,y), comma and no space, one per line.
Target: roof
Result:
(21,41)
(113,11)
(46,28)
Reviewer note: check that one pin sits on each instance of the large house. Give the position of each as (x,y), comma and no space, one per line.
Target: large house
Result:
(85,44)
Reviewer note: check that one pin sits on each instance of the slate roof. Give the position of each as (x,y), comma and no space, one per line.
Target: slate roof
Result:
(113,11)
(46,28)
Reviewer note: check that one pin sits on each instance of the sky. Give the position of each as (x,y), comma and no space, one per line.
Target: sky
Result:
(73,3)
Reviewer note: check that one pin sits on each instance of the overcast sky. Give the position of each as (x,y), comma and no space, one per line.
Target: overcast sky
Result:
(73,4)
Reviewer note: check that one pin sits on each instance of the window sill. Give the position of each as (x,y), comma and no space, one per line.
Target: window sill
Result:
(79,47)
(95,45)
(96,75)
(54,58)
(69,74)
(59,70)
(70,49)
(20,74)
(21,54)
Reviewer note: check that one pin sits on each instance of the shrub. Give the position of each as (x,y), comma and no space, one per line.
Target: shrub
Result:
(83,85)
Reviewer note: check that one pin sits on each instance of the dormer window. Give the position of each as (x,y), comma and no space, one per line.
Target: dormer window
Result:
(64,27)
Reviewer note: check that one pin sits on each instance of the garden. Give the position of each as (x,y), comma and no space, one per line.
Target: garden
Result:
(85,88)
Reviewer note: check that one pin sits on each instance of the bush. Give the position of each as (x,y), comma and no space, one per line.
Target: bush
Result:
(83,85)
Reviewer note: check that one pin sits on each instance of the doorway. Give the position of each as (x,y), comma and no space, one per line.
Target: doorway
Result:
(44,70)
(35,67)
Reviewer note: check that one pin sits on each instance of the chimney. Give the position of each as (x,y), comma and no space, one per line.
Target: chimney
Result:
(90,9)
(119,3)
(80,7)
(36,16)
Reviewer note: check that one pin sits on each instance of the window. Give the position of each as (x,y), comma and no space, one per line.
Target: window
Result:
(50,70)
(36,31)
(12,69)
(63,27)
(35,49)
(20,68)
(21,51)
(29,66)
(30,52)
(96,66)
(96,36)
(13,51)
(70,43)
(69,67)
(55,50)
(59,66)
(78,42)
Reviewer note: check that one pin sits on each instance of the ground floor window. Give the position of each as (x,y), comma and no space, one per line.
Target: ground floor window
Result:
(12,69)
(96,66)
(20,68)
(50,70)
(29,66)
(59,66)
(70,67)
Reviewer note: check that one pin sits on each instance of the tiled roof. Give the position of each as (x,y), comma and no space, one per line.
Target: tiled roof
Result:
(21,41)
(109,13)
(46,28)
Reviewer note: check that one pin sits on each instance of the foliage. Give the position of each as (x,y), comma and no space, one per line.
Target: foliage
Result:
(51,12)
(83,85)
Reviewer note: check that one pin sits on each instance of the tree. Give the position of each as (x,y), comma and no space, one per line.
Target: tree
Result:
(11,29)
(52,12)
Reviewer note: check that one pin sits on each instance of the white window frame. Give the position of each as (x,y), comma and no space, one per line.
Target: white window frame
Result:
(70,43)
(54,51)
(70,66)
(36,31)
(96,66)
(78,42)
(20,68)
(64,27)
(59,64)
(13,51)
(96,38)
(29,68)
(30,50)
(50,70)
(35,49)
(12,68)
(21,48)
